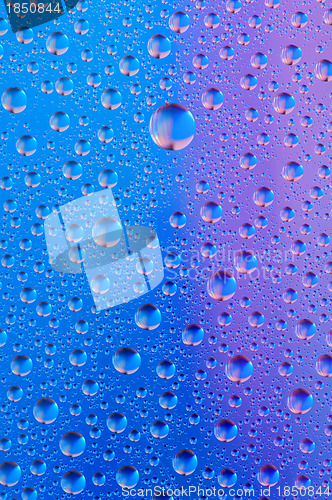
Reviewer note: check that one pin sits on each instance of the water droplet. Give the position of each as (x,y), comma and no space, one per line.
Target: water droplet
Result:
(107,232)
(179,22)
(127,476)
(172,127)
(72,444)
(45,411)
(10,473)
(126,360)
(57,43)
(192,335)
(324,365)
(300,401)
(268,475)
(221,285)
(73,482)
(185,462)
(212,99)
(239,369)
(116,422)
(129,66)
(14,100)
(225,431)
(284,103)
(159,46)
(148,317)
(324,70)
(111,99)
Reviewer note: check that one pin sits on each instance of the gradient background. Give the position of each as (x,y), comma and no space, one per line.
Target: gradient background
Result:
(153,184)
